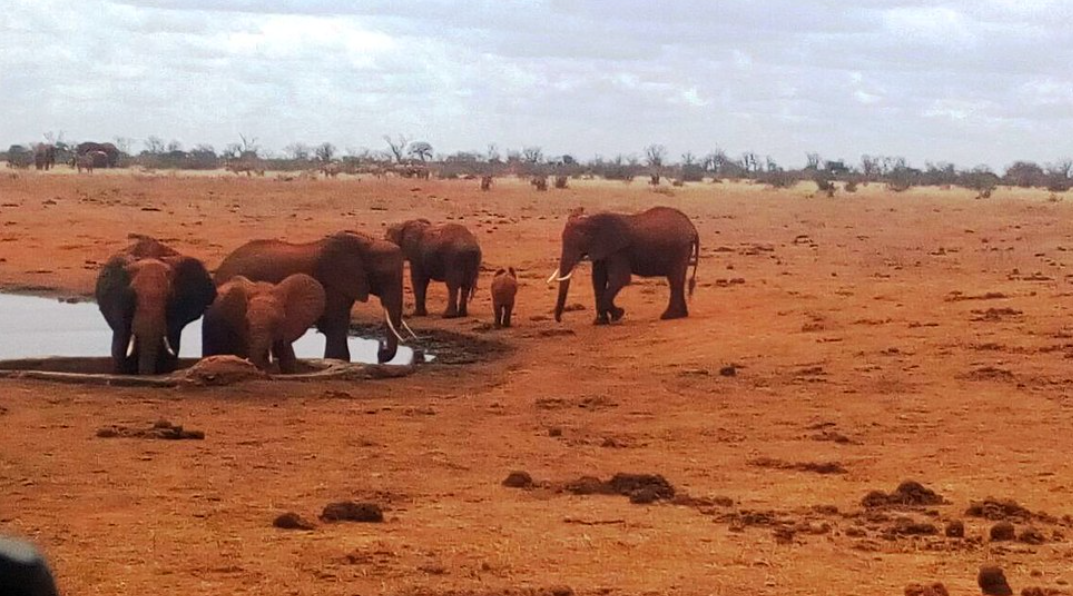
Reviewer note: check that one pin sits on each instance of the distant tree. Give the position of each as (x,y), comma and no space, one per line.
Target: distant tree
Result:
(750,162)
(298,151)
(249,146)
(124,144)
(1058,176)
(154,145)
(397,147)
(493,153)
(655,156)
(421,150)
(173,146)
(1024,174)
(532,155)
(870,167)
(812,161)
(325,152)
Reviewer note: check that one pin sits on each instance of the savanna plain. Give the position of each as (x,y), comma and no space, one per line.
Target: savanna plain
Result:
(835,347)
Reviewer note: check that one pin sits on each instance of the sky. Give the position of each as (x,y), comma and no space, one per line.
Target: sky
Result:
(969,82)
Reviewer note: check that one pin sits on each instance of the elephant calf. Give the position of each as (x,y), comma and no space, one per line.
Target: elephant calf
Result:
(441,252)
(259,320)
(504,289)
(148,293)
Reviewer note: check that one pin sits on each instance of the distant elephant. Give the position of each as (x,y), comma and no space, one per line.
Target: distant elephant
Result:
(504,289)
(259,321)
(659,242)
(110,150)
(44,156)
(442,252)
(349,265)
(148,293)
(23,571)
(91,160)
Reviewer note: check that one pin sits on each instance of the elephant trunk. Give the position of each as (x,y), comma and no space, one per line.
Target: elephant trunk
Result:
(148,338)
(566,269)
(393,315)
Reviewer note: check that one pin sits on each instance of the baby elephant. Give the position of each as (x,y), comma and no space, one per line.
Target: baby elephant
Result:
(259,321)
(504,288)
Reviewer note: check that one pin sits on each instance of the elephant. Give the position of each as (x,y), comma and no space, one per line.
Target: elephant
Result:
(259,321)
(44,156)
(442,252)
(658,242)
(23,571)
(349,265)
(148,293)
(89,161)
(110,150)
(504,289)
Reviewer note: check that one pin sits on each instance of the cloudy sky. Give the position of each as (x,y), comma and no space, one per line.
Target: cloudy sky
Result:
(983,81)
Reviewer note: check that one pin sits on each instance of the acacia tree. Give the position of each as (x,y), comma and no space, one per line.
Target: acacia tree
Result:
(154,145)
(325,152)
(421,150)
(397,146)
(655,156)
(297,151)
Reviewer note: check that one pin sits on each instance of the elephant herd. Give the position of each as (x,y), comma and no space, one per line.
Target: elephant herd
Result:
(267,293)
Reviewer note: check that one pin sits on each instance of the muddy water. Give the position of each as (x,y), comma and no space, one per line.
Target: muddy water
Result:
(32,326)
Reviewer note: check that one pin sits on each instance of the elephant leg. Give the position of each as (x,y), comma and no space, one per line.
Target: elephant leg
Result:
(284,353)
(618,277)
(335,325)
(454,288)
(507,310)
(599,288)
(120,363)
(420,285)
(498,312)
(676,308)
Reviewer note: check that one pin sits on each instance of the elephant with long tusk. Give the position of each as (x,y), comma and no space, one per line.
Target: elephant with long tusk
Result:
(148,293)
(659,242)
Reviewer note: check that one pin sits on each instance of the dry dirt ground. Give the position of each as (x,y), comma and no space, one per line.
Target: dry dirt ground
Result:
(875,338)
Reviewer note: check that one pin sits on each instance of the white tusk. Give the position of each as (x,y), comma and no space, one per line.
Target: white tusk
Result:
(554,275)
(391,326)
(408,330)
(565,277)
(130,347)
(167,346)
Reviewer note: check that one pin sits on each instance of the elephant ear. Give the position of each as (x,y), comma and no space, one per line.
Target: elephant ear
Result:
(114,295)
(302,298)
(223,330)
(192,291)
(341,266)
(607,234)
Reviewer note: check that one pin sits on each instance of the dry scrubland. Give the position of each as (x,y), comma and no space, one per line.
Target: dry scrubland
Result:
(875,338)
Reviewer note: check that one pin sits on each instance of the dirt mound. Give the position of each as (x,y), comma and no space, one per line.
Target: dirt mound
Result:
(640,488)
(353,512)
(955,529)
(1002,531)
(291,521)
(993,582)
(908,494)
(216,371)
(161,429)
(518,479)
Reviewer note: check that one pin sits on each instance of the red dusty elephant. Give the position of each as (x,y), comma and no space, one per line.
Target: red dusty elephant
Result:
(439,252)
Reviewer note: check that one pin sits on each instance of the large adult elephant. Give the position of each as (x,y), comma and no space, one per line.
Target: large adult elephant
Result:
(259,321)
(350,266)
(107,148)
(44,156)
(659,242)
(148,293)
(439,252)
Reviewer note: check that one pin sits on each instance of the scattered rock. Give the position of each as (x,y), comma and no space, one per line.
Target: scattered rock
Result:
(291,521)
(998,510)
(816,467)
(560,591)
(161,429)
(518,479)
(993,582)
(728,371)
(1031,535)
(909,493)
(588,485)
(955,529)
(555,431)
(1003,531)
(935,589)
(351,511)
(640,488)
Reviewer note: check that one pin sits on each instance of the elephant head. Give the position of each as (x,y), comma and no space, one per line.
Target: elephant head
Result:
(358,265)
(259,320)
(593,237)
(408,234)
(147,301)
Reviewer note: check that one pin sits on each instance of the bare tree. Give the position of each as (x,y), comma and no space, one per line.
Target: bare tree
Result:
(493,153)
(325,152)
(154,145)
(655,155)
(122,143)
(397,146)
(249,146)
(532,155)
(174,146)
(297,151)
(751,162)
(812,161)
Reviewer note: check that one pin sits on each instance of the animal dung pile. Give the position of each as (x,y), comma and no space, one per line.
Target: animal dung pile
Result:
(352,512)
(908,494)
(161,429)
(640,488)
(291,521)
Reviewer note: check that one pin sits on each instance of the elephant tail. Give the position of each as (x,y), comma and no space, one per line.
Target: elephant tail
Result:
(696,260)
